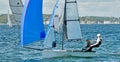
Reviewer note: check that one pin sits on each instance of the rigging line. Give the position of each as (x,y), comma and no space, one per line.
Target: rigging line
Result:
(53,13)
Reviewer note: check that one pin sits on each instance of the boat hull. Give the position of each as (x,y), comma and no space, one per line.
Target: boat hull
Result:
(66,53)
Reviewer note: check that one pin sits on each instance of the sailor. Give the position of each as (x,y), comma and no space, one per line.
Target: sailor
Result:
(98,41)
(89,47)
(54,44)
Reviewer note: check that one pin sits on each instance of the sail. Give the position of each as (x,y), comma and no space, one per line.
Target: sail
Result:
(50,36)
(9,21)
(17,8)
(32,27)
(73,30)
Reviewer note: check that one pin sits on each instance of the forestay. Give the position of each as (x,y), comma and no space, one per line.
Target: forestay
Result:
(32,27)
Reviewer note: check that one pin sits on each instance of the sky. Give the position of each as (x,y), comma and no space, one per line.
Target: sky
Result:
(85,7)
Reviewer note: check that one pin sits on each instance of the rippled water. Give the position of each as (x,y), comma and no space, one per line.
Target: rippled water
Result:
(10,51)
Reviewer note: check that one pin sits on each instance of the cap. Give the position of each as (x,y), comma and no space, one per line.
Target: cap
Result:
(98,35)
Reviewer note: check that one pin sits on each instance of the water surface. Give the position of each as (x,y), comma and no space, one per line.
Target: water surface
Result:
(11,51)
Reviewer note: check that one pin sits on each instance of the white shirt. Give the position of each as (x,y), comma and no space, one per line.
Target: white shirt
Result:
(97,41)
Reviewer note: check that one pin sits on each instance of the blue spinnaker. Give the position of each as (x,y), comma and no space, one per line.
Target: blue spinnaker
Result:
(32,27)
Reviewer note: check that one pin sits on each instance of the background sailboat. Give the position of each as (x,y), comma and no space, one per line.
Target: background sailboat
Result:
(17,9)
(9,20)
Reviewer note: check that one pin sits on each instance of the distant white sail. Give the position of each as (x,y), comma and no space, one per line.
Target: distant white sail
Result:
(9,21)
(17,8)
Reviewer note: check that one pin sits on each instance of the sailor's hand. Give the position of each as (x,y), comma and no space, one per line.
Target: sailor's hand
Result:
(91,45)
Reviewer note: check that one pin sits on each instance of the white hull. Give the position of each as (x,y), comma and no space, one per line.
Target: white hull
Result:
(66,53)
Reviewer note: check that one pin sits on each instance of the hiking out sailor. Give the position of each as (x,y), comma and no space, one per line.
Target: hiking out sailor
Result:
(98,41)
(89,46)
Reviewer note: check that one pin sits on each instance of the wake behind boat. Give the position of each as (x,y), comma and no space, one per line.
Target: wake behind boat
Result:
(67,26)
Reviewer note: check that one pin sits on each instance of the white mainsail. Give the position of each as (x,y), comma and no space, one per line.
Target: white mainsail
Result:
(17,8)
(72,27)
(73,30)
(70,31)
(9,20)
(50,36)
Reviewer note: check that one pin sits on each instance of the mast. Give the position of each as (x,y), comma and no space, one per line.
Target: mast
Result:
(63,36)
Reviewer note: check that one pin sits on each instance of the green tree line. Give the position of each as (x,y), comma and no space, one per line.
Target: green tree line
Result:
(98,18)
(3,18)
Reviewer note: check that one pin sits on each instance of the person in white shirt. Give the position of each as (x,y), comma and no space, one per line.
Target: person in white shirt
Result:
(96,44)
(98,41)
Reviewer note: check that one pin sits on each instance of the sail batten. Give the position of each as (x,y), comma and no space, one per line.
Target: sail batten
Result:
(32,27)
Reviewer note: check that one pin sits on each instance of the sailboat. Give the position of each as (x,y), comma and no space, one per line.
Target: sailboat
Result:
(32,28)
(17,9)
(9,21)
